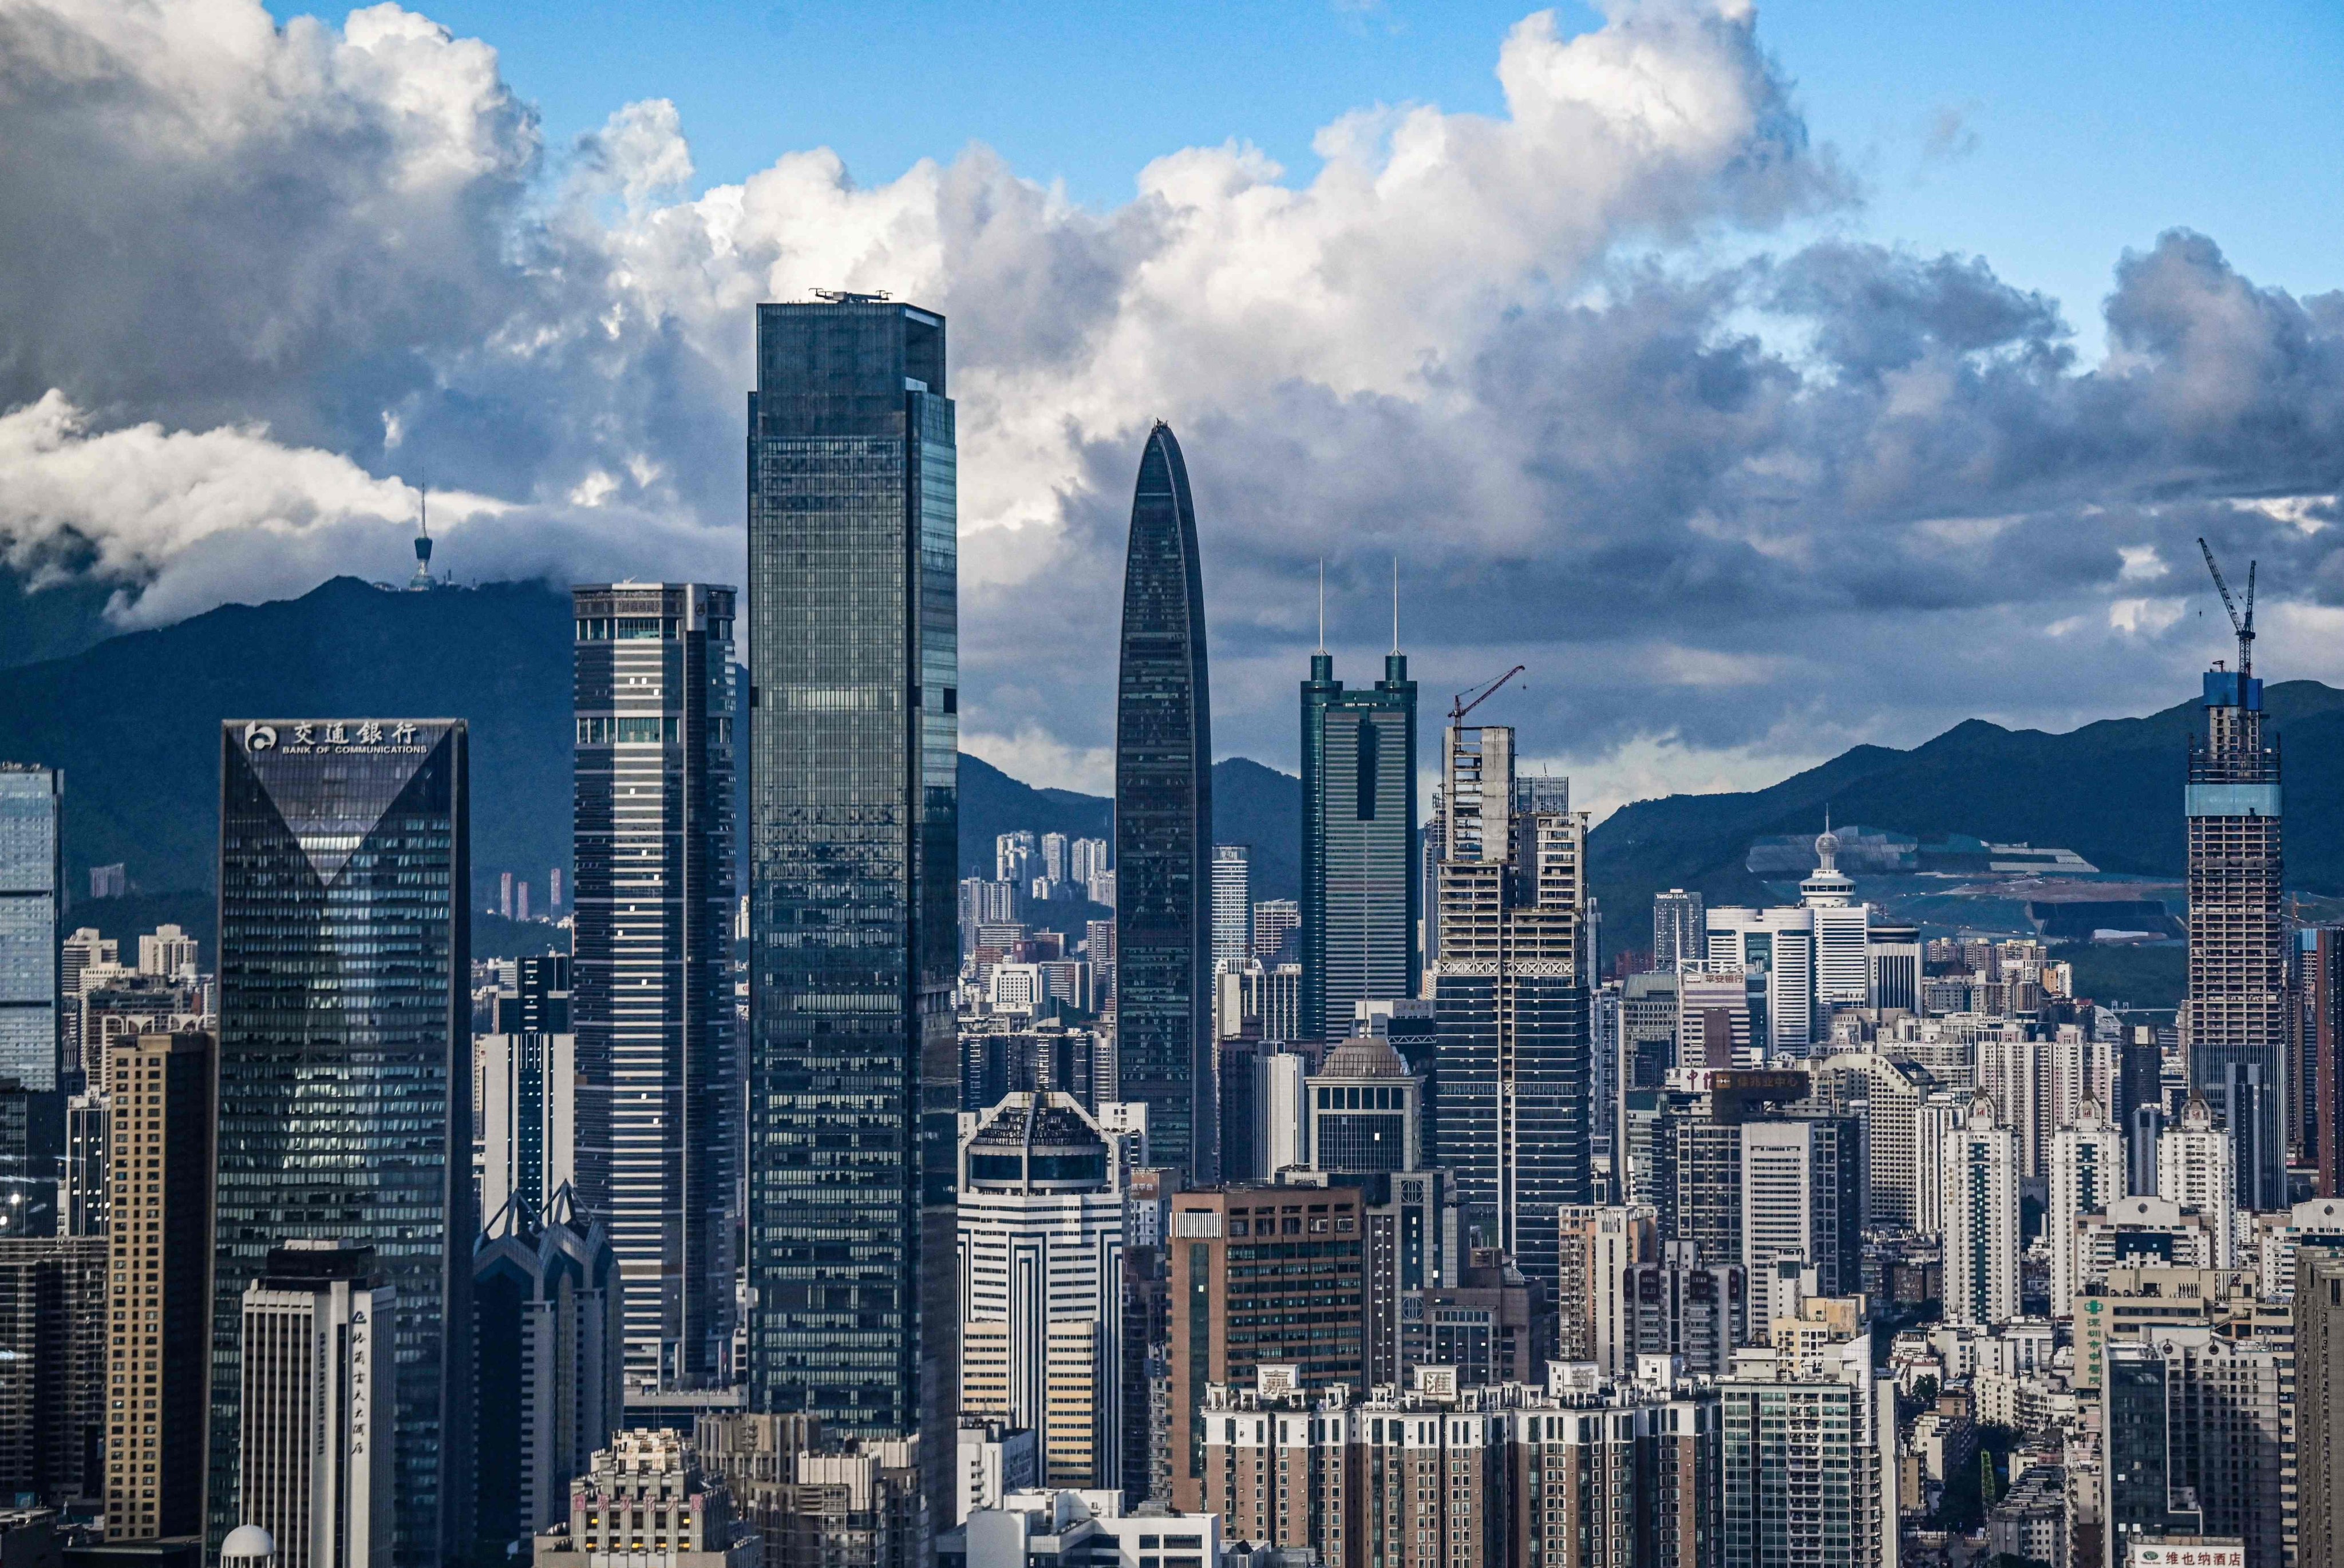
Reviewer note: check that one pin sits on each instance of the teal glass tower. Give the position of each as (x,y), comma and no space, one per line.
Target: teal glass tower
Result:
(853,823)
(1163,825)
(1361,901)
(345,1069)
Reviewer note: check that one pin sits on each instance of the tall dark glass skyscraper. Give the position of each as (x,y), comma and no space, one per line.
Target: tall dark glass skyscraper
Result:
(345,1067)
(854,817)
(1361,896)
(658,1073)
(31,874)
(1163,825)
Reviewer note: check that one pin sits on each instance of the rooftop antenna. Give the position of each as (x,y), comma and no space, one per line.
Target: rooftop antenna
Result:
(1395,604)
(2244,626)
(423,578)
(1322,604)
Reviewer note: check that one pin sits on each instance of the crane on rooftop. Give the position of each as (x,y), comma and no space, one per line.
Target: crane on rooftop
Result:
(2244,626)
(1459,707)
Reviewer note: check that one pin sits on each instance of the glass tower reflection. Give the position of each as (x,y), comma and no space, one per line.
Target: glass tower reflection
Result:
(345,1081)
(1164,824)
(854,846)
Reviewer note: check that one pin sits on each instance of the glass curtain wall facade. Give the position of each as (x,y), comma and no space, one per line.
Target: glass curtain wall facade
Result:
(31,871)
(345,1067)
(658,1070)
(1361,901)
(853,848)
(1164,824)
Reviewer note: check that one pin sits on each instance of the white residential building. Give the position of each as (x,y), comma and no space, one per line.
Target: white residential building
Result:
(2195,1170)
(2088,1173)
(1981,1220)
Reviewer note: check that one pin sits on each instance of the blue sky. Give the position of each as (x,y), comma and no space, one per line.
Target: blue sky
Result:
(2045,137)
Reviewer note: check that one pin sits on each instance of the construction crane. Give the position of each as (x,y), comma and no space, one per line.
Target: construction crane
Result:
(2244,626)
(1459,707)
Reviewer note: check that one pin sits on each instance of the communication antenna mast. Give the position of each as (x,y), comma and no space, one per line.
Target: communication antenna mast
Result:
(2244,626)
(1460,708)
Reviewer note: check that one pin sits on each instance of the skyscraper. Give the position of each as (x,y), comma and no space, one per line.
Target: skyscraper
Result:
(657,1065)
(1232,904)
(1361,901)
(1510,1000)
(345,1081)
(854,820)
(2087,1175)
(53,1369)
(1164,822)
(1980,1193)
(2234,1019)
(160,1240)
(1680,929)
(2318,1315)
(32,871)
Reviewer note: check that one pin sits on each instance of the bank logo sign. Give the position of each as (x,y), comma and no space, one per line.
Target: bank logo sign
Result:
(334,735)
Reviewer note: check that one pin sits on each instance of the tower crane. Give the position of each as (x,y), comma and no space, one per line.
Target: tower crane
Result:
(1459,707)
(2244,626)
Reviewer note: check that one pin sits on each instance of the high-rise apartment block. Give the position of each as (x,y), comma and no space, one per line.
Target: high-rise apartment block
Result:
(853,844)
(1510,994)
(658,1065)
(1232,904)
(1361,904)
(159,1236)
(1980,1194)
(2195,1169)
(1041,1268)
(345,1055)
(1164,822)
(2087,1175)
(2234,1020)
(314,1466)
(32,875)
(1809,1471)
(2319,1323)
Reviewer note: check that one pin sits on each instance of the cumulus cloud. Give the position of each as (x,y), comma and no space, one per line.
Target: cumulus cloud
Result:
(1733,497)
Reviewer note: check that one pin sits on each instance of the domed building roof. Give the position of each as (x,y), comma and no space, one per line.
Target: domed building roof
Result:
(1363,1056)
(247,1543)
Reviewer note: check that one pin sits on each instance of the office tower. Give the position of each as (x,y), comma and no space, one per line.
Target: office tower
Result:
(314,1465)
(2318,1322)
(550,1334)
(1809,1474)
(2234,1019)
(1510,996)
(527,1089)
(2193,1422)
(645,1500)
(2141,1093)
(2136,1491)
(1599,1246)
(53,1387)
(1896,968)
(1229,1321)
(32,872)
(657,1064)
(1361,904)
(1041,1263)
(1802,1194)
(1680,929)
(89,1130)
(1717,1025)
(1678,1305)
(345,1094)
(159,1312)
(1274,921)
(1772,951)
(2087,1175)
(2195,1168)
(853,665)
(1980,1194)
(169,952)
(1488,1325)
(1365,1110)
(1163,821)
(1888,1097)
(1232,904)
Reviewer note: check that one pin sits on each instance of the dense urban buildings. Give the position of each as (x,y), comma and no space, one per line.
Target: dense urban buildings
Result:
(658,1069)
(1360,905)
(1164,822)
(345,1094)
(854,826)
(53,1372)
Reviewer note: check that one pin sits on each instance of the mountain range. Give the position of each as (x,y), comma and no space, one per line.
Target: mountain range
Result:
(134,722)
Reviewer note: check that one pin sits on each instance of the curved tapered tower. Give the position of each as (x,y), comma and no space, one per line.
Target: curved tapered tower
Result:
(1163,825)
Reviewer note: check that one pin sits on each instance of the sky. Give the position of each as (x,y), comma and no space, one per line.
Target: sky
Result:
(1765,380)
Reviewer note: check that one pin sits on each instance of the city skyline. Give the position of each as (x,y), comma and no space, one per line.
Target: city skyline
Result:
(1797,284)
